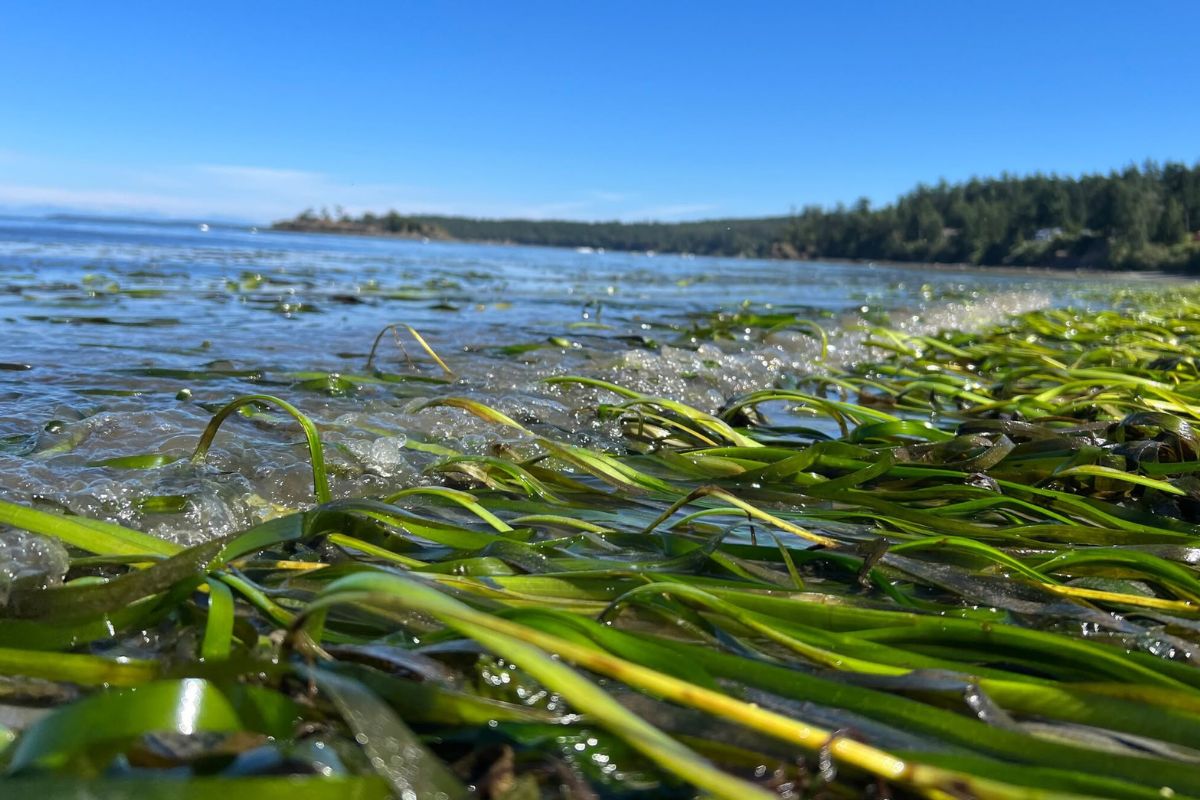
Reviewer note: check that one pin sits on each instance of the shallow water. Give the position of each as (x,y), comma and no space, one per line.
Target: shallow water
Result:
(122,339)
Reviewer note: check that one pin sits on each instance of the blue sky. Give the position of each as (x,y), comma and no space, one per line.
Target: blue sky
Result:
(603,110)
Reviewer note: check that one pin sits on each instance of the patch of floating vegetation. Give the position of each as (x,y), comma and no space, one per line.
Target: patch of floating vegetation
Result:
(377,444)
(947,557)
(721,355)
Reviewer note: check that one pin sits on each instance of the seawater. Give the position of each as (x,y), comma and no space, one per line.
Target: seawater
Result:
(121,338)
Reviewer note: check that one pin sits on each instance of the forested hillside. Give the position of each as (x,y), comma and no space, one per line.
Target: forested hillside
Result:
(1144,217)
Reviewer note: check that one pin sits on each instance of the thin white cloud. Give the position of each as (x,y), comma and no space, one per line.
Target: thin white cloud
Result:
(567,209)
(256,193)
(609,197)
(252,193)
(261,175)
(96,201)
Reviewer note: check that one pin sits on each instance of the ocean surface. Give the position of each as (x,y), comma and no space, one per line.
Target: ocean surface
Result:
(121,339)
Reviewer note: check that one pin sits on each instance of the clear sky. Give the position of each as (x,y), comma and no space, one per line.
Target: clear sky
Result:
(598,110)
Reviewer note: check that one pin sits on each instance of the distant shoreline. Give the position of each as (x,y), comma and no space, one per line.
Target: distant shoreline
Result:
(1061,271)
(1139,219)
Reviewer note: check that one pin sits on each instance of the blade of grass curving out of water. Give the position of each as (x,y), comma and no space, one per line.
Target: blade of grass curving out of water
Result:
(316,451)
(418,338)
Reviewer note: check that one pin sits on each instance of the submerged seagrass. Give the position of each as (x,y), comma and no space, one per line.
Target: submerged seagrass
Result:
(964,569)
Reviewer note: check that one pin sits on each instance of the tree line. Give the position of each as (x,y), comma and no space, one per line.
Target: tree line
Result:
(1141,217)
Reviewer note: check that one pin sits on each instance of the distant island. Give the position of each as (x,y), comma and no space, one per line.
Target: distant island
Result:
(1139,218)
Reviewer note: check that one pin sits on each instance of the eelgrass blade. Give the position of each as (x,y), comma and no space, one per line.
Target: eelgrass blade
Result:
(316,450)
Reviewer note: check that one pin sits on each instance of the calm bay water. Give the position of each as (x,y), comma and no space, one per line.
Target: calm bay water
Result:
(127,285)
(121,339)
